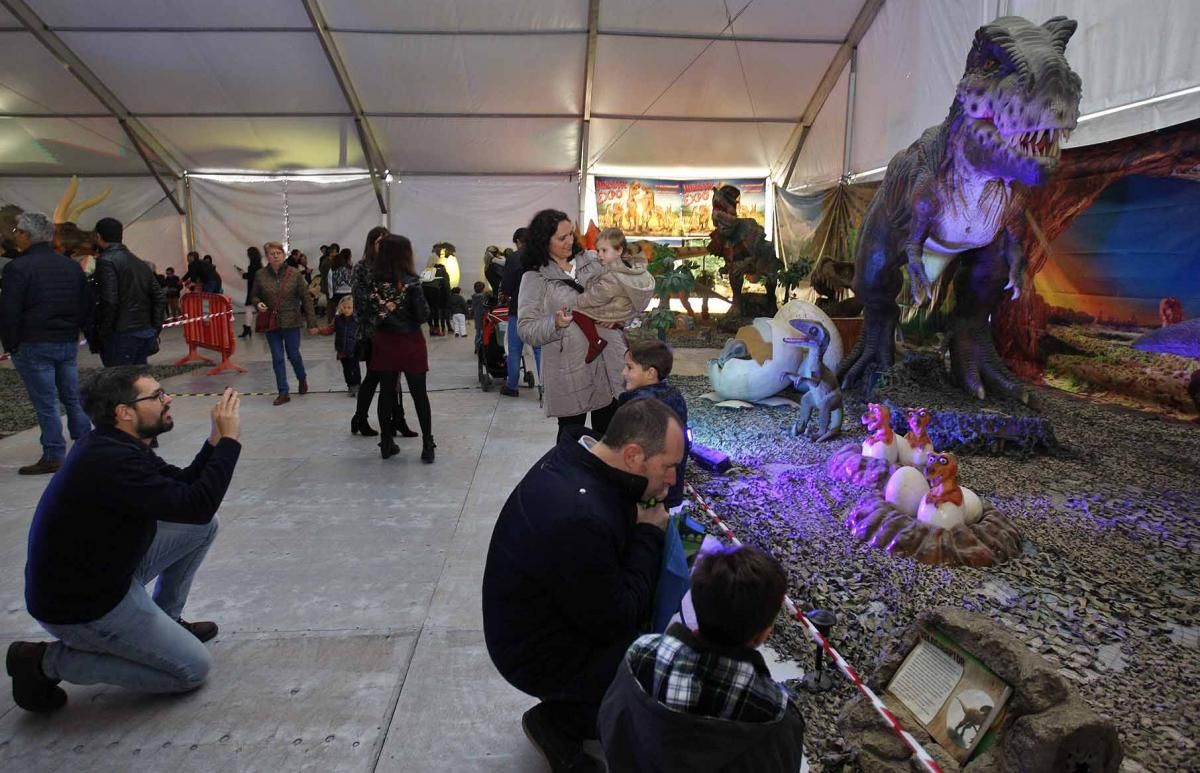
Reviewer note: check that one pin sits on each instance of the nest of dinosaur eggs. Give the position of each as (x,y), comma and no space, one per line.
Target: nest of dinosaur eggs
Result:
(993,539)
(932,520)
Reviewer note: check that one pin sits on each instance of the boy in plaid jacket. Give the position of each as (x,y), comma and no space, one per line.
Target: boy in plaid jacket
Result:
(704,700)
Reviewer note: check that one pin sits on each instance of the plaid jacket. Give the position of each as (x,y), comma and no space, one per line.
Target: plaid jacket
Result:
(685,674)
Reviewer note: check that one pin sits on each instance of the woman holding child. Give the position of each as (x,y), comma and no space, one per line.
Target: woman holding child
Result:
(583,355)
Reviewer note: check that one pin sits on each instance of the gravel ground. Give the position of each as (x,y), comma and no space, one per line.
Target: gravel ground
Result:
(16,412)
(1106,589)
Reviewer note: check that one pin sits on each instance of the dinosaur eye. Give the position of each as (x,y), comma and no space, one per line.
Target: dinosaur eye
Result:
(991,65)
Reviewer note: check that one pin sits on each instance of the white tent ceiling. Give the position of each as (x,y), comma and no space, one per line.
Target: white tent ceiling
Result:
(450,87)
(482,87)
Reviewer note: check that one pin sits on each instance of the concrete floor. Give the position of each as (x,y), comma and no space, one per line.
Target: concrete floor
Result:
(346,588)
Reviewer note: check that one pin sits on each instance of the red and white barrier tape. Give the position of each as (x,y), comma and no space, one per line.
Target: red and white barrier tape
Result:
(172,323)
(178,322)
(927,762)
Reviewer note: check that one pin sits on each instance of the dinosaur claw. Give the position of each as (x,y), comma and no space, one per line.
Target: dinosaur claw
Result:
(1016,291)
(980,393)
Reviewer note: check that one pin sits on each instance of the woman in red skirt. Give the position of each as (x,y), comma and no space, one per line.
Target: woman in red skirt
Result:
(397,308)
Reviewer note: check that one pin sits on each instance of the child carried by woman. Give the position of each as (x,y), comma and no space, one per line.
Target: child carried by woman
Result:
(617,294)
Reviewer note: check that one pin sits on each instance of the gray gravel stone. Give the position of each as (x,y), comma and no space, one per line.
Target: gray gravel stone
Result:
(1112,526)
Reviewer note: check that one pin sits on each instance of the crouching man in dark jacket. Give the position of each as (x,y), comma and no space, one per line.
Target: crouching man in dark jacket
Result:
(571,570)
(703,700)
(114,518)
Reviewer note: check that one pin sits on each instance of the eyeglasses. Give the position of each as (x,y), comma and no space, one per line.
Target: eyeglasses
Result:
(157,394)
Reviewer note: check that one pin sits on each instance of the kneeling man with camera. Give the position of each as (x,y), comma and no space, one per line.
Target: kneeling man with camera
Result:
(115,517)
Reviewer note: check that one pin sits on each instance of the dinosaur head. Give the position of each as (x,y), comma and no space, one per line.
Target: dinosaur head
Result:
(725,208)
(813,336)
(941,469)
(918,420)
(1019,99)
(8,221)
(877,418)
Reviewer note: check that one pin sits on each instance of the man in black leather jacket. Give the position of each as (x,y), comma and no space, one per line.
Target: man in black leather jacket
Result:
(132,303)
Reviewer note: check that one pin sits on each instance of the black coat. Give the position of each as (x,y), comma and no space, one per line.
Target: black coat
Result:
(494,274)
(569,569)
(45,300)
(514,269)
(251,269)
(640,734)
(408,317)
(130,295)
(100,513)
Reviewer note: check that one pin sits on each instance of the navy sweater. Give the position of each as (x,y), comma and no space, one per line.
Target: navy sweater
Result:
(569,570)
(100,513)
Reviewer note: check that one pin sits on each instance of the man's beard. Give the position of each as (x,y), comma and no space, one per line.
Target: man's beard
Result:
(150,430)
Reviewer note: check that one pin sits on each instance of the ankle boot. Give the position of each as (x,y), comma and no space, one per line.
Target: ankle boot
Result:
(388,448)
(403,428)
(359,426)
(427,446)
(247,331)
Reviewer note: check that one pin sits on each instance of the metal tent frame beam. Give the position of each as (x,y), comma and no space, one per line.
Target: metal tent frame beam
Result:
(388,114)
(866,16)
(592,29)
(144,142)
(585,118)
(376,163)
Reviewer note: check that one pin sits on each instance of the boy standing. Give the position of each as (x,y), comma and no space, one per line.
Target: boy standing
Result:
(478,308)
(647,366)
(701,700)
(458,313)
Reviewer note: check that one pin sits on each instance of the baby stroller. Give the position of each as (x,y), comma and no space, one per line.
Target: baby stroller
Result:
(493,361)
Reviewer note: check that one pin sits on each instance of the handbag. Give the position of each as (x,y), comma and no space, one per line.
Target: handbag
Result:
(265,321)
(674,578)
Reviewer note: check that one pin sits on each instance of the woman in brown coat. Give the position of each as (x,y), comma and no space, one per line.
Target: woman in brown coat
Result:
(280,290)
(549,290)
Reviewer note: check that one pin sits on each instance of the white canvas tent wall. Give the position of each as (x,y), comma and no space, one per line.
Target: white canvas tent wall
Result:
(1138,61)
(459,98)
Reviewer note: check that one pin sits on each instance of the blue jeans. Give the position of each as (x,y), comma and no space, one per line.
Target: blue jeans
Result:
(131,347)
(281,340)
(139,644)
(50,375)
(515,348)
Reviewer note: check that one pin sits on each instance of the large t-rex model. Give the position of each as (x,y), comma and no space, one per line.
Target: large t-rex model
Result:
(956,196)
(743,244)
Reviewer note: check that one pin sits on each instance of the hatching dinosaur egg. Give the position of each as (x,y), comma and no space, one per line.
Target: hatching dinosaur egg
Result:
(905,490)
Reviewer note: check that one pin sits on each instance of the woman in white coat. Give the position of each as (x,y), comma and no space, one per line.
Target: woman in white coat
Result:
(549,289)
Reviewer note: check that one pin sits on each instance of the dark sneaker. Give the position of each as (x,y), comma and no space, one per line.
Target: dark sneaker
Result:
(40,467)
(32,689)
(508,391)
(202,630)
(303,386)
(563,753)
(281,399)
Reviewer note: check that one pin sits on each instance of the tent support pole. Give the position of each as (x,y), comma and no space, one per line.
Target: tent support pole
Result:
(585,120)
(143,139)
(137,145)
(862,23)
(850,112)
(189,225)
(376,163)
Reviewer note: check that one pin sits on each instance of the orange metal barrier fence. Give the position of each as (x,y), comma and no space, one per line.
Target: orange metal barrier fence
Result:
(209,325)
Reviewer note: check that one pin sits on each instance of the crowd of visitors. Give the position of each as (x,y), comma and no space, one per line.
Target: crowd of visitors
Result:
(572,569)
